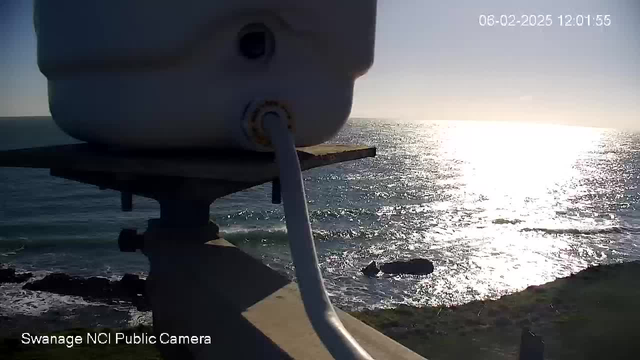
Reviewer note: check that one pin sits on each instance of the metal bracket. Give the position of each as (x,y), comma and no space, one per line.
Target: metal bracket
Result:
(130,241)
(126,201)
(276,195)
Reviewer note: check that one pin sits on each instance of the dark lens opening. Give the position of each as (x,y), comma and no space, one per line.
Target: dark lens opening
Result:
(255,41)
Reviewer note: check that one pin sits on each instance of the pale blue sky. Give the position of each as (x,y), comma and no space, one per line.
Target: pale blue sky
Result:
(434,62)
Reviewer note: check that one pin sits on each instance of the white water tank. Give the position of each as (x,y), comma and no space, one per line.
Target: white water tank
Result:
(180,73)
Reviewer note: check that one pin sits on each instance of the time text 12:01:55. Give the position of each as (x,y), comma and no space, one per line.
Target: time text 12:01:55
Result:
(512,20)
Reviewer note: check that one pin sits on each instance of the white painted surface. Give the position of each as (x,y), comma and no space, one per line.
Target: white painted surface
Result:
(196,85)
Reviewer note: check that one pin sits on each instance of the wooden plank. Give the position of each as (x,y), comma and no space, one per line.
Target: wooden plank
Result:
(229,165)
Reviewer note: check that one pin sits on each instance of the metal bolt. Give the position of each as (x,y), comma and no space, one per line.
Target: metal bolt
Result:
(130,241)
(126,201)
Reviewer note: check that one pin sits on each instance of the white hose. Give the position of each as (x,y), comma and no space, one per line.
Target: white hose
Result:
(323,317)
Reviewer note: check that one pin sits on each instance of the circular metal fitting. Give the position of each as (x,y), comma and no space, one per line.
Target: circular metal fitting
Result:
(253,120)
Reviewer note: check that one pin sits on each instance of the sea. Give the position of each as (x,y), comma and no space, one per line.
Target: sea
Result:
(497,206)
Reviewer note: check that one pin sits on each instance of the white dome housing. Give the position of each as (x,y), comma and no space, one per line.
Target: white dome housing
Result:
(180,74)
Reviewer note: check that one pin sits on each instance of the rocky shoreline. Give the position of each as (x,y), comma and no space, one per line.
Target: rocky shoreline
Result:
(592,314)
(129,289)
(9,275)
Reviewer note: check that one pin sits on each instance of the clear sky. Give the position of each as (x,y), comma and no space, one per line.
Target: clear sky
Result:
(435,62)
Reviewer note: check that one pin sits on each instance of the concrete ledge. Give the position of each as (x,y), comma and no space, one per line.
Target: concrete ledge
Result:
(280,316)
(250,310)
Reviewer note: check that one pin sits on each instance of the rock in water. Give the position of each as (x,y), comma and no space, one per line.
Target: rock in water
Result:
(134,288)
(132,285)
(371,269)
(410,267)
(9,276)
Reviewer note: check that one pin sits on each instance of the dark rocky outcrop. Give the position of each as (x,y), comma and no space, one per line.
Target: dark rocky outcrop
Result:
(9,275)
(59,283)
(132,285)
(130,288)
(410,267)
(371,269)
(135,289)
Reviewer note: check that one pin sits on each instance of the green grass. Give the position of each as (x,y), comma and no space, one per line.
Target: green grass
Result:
(591,315)
(594,314)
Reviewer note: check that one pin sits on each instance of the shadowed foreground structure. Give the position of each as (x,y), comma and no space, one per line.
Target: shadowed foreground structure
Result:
(199,284)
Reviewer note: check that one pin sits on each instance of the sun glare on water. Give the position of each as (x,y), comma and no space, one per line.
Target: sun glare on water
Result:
(500,180)
(509,164)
